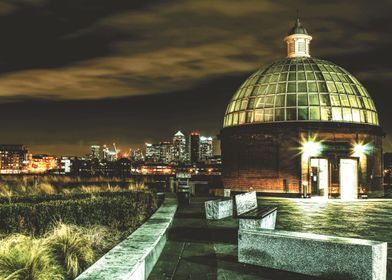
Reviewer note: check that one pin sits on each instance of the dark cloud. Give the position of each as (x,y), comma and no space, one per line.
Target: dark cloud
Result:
(82,71)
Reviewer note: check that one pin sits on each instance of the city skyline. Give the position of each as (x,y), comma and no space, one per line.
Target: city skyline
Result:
(134,73)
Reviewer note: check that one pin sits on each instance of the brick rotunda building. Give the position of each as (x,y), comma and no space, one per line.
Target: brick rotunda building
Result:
(302,126)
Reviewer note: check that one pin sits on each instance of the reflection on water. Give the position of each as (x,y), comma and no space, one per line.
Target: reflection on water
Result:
(366,219)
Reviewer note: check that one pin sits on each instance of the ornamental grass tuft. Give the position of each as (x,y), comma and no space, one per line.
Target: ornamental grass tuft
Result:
(26,258)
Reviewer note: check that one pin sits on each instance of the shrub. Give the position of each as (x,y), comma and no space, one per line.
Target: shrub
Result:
(24,258)
(121,210)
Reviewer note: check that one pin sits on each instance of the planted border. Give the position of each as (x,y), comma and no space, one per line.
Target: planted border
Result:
(34,215)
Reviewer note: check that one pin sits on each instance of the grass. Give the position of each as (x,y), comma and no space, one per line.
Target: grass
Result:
(23,257)
(62,253)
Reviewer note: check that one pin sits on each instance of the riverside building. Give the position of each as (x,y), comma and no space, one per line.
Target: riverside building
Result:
(302,126)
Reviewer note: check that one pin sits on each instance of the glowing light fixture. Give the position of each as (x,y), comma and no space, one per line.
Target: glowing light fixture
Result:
(360,149)
(312,148)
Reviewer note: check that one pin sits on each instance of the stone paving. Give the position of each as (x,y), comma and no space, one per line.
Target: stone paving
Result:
(201,249)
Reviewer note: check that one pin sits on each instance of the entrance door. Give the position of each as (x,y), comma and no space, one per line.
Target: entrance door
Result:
(319,176)
(348,179)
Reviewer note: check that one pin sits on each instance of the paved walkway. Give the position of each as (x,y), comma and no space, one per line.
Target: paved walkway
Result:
(201,249)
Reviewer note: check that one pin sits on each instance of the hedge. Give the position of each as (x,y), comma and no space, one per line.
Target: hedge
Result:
(47,197)
(122,210)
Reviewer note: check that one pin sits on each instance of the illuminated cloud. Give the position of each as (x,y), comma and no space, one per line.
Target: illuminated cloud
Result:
(179,44)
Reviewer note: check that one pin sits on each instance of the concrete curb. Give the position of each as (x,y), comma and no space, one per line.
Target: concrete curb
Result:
(135,257)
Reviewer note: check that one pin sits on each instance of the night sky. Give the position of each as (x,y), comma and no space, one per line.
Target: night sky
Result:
(80,72)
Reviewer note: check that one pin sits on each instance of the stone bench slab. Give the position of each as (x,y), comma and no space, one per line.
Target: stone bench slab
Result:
(245,202)
(264,218)
(322,256)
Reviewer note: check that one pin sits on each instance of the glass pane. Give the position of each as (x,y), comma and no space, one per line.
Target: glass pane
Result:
(327,76)
(340,87)
(326,113)
(301,75)
(335,100)
(369,117)
(235,118)
(360,102)
(331,87)
(241,118)
(363,116)
(302,87)
(291,87)
(271,89)
(356,117)
(315,113)
(268,115)
(251,103)
(324,99)
(274,78)
(262,89)
(312,87)
(347,115)
(281,88)
(344,100)
(292,76)
(260,102)
(231,107)
(255,91)
(230,119)
(269,101)
(336,114)
(291,114)
(348,88)
(353,101)
(279,114)
(322,87)
(244,103)
(259,115)
(291,100)
(237,105)
(310,76)
(249,116)
(283,77)
(279,101)
(314,99)
(303,114)
(367,104)
(303,99)
(319,76)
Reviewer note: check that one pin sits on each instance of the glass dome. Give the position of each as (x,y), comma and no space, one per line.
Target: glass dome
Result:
(298,90)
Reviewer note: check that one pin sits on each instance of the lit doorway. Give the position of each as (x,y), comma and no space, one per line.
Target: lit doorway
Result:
(348,179)
(319,177)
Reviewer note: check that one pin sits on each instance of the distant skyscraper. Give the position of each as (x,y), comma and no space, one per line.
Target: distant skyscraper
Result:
(194,147)
(179,148)
(166,152)
(12,158)
(95,151)
(108,154)
(205,148)
(152,152)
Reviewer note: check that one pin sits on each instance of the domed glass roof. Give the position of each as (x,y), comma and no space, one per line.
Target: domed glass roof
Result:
(298,90)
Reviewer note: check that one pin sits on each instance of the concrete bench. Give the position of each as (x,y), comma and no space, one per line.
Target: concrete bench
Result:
(218,209)
(312,254)
(250,215)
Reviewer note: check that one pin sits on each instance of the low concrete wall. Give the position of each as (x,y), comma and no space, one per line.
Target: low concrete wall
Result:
(312,254)
(218,209)
(135,257)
